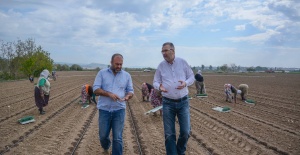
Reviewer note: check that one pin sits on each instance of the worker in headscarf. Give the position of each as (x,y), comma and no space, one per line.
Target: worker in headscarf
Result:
(200,86)
(229,90)
(31,78)
(146,90)
(244,91)
(87,94)
(42,91)
(156,99)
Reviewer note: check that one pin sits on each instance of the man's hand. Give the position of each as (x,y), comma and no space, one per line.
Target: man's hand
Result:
(182,84)
(162,88)
(128,96)
(114,97)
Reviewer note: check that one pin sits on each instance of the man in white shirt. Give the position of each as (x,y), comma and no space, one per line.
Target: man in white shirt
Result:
(172,77)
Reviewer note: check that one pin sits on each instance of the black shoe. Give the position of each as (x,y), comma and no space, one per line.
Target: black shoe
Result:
(42,112)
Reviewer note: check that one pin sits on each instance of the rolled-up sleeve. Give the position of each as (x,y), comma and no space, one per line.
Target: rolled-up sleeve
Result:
(98,82)
(129,88)
(157,78)
(190,76)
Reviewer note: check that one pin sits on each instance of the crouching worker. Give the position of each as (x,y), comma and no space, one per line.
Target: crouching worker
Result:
(146,90)
(244,91)
(229,91)
(87,94)
(156,99)
(42,91)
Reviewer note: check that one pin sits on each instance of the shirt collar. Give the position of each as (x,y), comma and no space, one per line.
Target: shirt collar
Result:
(109,70)
(172,61)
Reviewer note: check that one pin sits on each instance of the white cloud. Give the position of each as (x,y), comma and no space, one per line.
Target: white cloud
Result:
(255,38)
(69,29)
(215,30)
(240,27)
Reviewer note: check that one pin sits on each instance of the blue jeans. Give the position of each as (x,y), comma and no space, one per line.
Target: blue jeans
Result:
(182,110)
(111,121)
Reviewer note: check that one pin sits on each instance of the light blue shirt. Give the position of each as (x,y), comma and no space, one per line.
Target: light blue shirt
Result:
(169,74)
(119,84)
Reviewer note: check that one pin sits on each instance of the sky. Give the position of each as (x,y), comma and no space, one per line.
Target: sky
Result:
(205,32)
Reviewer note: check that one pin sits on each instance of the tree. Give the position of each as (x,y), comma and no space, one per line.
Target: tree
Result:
(233,67)
(36,63)
(23,58)
(65,67)
(24,50)
(58,67)
(194,68)
(239,68)
(224,68)
(210,67)
(28,66)
(7,55)
(76,67)
(202,67)
(98,69)
(251,69)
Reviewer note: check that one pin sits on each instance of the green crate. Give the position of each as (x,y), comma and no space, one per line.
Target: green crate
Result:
(85,105)
(225,109)
(221,109)
(201,95)
(26,119)
(250,101)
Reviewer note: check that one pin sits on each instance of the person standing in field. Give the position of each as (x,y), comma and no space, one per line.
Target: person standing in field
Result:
(87,94)
(31,79)
(114,86)
(229,90)
(200,83)
(42,91)
(244,91)
(146,90)
(172,77)
(54,75)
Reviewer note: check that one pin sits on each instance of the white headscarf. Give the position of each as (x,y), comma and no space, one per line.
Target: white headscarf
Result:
(45,73)
(199,72)
(239,91)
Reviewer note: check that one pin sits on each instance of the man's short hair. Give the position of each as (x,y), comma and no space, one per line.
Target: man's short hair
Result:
(117,54)
(169,43)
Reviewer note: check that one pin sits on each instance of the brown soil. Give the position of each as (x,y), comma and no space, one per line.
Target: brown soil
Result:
(271,126)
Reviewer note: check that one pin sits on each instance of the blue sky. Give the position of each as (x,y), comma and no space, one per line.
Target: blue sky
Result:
(209,32)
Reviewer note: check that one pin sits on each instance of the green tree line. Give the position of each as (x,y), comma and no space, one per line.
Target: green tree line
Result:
(66,67)
(23,58)
(231,68)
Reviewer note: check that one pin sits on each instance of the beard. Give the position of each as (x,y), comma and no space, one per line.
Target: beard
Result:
(115,70)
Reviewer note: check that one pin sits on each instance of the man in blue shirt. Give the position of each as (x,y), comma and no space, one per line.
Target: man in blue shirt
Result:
(114,86)
(172,77)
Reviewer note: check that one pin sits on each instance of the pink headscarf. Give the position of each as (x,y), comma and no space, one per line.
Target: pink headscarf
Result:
(227,85)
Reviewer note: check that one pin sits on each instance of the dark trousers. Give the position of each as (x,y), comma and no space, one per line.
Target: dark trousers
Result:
(39,101)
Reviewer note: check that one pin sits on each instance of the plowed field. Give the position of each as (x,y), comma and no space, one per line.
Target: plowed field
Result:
(271,126)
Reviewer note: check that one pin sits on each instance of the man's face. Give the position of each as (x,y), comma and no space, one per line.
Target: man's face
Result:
(168,53)
(116,64)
